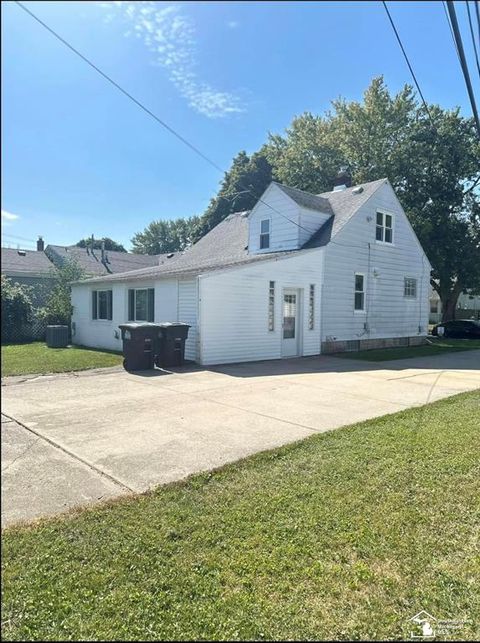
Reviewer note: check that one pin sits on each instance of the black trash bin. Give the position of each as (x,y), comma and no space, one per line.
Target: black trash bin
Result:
(140,343)
(171,345)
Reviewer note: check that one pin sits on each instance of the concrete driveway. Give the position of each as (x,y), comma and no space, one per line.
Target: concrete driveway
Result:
(74,439)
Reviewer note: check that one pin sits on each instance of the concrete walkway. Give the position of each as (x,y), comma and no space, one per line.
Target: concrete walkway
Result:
(74,439)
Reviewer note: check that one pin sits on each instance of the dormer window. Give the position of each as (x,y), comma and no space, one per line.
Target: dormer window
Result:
(265,234)
(384,228)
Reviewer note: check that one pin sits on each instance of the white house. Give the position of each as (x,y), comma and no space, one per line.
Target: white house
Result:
(300,274)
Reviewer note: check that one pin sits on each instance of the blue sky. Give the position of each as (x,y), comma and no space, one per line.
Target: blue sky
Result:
(79,158)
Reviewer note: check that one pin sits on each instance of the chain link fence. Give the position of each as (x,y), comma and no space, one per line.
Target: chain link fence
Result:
(30,332)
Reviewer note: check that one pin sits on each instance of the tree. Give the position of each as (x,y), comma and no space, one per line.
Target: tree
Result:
(110,244)
(59,308)
(166,236)
(17,309)
(433,168)
(240,189)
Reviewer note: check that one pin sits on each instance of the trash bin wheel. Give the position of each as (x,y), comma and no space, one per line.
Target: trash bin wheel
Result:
(125,366)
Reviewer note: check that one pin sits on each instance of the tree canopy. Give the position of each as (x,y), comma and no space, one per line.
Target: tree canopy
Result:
(431,159)
(110,244)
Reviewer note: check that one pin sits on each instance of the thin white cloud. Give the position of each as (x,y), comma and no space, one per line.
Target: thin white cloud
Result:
(233,24)
(169,35)
(8,217)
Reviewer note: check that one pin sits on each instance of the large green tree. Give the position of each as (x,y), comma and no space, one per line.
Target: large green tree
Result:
(240,189)
(431,159)
(166,236)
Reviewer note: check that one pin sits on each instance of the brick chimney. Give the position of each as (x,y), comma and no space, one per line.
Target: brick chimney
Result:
(342,180)
(40,244)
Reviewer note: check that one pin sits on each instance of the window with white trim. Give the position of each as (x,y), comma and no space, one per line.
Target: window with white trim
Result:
(384,227)
(311,307)
(141,304)
(271,305)
(102,304)
(410,287)
(359,298)
(264,234)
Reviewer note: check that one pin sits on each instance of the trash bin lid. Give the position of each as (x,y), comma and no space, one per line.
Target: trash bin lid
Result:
(172,324)
(134,325)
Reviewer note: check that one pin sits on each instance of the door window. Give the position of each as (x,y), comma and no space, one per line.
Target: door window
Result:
(289,316)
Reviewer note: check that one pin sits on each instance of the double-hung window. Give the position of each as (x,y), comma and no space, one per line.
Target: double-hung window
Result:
(410,287)
(359,299)
(384,228)
(102,304)
(264,234)
(141,304)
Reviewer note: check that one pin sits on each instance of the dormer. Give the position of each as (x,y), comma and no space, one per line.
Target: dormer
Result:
(285,218)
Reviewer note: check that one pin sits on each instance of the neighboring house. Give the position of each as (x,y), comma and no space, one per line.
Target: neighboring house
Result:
(468,307)
(31,268)
(100,262)
(300,274)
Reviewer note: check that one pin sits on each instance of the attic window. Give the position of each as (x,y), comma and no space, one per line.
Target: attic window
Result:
(265,234)
(384,228)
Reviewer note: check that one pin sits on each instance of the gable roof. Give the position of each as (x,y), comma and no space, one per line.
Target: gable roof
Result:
(306,199)
(226,245)
(25,262)
(91,262)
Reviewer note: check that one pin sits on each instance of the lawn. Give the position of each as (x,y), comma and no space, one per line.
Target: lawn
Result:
(22,359)
(434,347)
(345,535)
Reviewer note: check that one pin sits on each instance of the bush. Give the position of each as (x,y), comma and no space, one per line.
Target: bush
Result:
(17,309)
(59,307)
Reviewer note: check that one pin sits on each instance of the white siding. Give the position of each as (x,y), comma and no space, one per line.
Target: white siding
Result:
(388,312)
(105,334)
(234,309)
(283,227)
(188,313)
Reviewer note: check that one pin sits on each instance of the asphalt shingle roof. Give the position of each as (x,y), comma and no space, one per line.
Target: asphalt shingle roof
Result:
(307,199)
(28,262)
(92,264)
(222,247)
(344,204)
(227,244)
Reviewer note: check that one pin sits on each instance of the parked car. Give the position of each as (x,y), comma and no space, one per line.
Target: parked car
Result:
(459,328)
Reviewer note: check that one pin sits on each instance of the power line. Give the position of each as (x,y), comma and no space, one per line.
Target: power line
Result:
(444,4)
(463,62)
(124,91)
(14,236)
(477,12)
(408,62)
(148,111)
(473,36)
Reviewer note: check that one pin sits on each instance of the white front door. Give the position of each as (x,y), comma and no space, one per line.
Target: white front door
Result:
(290,325)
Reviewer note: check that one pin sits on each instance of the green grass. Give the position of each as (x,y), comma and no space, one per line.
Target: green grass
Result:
(22,359)
(434,347)
(345,535)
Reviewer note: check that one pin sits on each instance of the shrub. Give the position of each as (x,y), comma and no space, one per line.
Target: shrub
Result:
(17,309)
(59,307)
